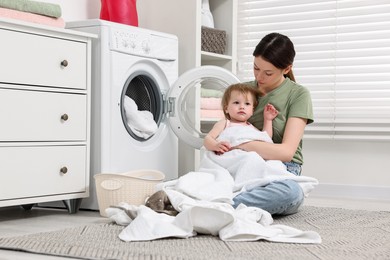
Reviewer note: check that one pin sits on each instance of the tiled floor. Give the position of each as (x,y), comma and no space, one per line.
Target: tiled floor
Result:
(15,221)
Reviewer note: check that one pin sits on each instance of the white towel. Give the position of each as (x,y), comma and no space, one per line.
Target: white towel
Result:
(220,177)
(239,134)
(141,122)
(217,219)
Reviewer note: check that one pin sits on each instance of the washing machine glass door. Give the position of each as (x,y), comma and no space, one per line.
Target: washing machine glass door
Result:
(194,102)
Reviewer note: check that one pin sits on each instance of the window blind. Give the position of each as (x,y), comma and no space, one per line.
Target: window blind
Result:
(342,57)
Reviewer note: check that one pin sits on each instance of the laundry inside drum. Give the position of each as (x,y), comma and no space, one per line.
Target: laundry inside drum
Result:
(142,107)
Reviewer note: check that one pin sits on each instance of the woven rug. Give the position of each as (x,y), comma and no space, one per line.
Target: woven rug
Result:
(346,234)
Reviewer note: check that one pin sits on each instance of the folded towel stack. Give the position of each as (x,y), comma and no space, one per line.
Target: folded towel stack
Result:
(210,104)
(32,11)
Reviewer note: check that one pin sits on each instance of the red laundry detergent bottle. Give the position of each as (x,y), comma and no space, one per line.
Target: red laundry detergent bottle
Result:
(119,11)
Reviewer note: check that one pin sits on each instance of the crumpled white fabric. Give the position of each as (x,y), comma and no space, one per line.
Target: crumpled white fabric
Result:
(248,169)
(212,186)
(141,122)
(217,219)
(221,177)
(207,16)
(238,134)
(123,213)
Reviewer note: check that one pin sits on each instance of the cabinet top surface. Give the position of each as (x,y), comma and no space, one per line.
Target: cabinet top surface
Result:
(12,24)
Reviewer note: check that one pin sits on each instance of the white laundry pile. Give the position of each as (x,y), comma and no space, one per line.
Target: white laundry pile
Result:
(196,216)
(141,122)
(203,200)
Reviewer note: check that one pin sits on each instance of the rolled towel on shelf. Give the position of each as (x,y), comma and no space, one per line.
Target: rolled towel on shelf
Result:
(141,122)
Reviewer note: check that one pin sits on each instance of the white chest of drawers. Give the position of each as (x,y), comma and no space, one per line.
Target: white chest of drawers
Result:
(44,114)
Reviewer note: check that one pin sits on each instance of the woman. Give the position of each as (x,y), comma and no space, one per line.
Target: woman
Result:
(273,60)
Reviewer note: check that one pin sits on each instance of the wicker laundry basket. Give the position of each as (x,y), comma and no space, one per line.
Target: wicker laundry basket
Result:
(130,187)
(213,40)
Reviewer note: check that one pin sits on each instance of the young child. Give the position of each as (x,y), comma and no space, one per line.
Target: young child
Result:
(238,103)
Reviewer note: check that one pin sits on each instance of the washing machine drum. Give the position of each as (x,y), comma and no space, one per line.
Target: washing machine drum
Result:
(142,107)
(181,106)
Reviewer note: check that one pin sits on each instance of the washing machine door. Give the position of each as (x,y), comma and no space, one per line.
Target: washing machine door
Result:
(194,102)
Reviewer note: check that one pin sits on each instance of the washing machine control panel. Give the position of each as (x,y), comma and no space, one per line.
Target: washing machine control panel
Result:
(144,44)
(132,42)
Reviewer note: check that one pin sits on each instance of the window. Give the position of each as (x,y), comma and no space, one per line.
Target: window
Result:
(343,58)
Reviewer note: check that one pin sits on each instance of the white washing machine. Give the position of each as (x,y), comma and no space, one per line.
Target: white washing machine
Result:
(143,65)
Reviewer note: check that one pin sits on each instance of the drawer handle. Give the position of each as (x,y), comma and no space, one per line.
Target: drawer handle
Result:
(64,170)
(65,117)
(64,63)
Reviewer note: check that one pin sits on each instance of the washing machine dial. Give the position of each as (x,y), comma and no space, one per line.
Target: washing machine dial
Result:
(133,44)
(125,43)
(146,46)
(128,44)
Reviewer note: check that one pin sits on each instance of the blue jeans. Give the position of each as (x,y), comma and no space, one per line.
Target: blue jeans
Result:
(278,197)
(294,168)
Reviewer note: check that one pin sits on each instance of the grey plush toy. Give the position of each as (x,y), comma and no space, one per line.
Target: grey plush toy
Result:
(160,203)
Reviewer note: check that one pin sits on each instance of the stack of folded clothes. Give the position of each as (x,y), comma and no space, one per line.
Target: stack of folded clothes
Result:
(210,104)
(32,11)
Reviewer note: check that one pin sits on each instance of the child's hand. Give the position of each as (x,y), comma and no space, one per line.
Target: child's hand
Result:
(270,112)
(222,147)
